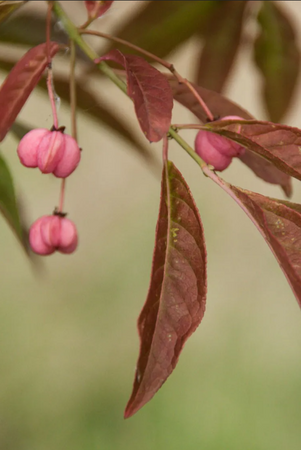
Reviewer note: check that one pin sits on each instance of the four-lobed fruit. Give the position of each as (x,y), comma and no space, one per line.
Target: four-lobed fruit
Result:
(53,233)
(50,151)
(216,150)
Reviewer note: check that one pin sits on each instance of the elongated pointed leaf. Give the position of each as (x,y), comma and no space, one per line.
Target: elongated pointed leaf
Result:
(267,171)
(19,84)
(8,204)
(176,299)
(8,7)
(280,224)
(277,56)
(222,41)
(277,143)
(161,26)
(149,91)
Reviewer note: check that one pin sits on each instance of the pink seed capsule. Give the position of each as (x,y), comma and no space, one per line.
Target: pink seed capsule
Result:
(217,150)
(50,151)
(51,233)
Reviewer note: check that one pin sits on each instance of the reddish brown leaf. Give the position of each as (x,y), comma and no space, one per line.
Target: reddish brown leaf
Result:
(280,224)
(220,106)
(176,299)
(277,143)
(97,8)
(20,82)
(222,41)
(277,56)
(267,171)
(150,92)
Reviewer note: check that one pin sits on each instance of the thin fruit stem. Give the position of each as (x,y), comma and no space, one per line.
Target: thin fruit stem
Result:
(50,86)
(199,99)
(187,126)
(73,90)
(165,149)
(62,195)
(87,23)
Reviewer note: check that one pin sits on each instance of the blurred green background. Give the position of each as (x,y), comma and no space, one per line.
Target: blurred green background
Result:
(68,340)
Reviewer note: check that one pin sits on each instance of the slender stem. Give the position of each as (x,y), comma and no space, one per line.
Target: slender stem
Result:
(130,45)
(50,87)
(187,148)
(200,100)
(48,32)
(76,37)
(87,23)
(165,149)
(73,90)
(188,126)
(62,195)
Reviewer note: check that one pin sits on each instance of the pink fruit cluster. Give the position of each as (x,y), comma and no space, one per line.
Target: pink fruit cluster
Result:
(51,233)
(57,153)
(50,151)
(216,150)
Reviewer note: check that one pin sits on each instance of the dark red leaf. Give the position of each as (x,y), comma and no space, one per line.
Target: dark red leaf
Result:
(97,8)
(280,224)
(220,106)
(267,171)
(277,56)
(150,92)
(20,82)
(222,41)
(277,143)
(176,299)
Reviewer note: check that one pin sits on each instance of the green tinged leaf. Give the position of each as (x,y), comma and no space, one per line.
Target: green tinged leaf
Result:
(222,41)
(7,7)
(176,299)
(8,204)
(161,26)
(279,223)
(277,57)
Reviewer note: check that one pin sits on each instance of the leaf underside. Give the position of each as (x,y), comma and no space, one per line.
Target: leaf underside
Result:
(280,224)
(176,299)
(149,91)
